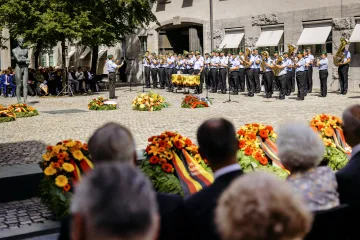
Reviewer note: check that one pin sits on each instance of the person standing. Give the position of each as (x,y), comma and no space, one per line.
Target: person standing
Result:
(255,68)
(241,75)
(190,64)
(323,64)
(198,69)
(234,74)
(146,64)
(300,75)
(248,62)
(222,72)
(122,70)
(207,70)
(310,70)
(268,77)
(289,82)
(154,67)
(275,78)
(282,78)
(170,71)
(111,68)
(306,71)
(214,63)
(343,71)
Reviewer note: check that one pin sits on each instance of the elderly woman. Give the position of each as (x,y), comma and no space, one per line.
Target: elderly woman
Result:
(262,207)
(301,150)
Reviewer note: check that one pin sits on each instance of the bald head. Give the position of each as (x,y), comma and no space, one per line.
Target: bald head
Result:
(217,142)
(112,142)
(351,122)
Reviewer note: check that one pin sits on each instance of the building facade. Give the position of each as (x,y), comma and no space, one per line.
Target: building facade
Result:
(187,25)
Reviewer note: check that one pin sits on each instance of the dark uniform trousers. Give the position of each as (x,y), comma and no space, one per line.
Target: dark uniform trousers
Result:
(306,72)
(112,83)
(323,75)
(241,80)
(234,81)
(162,76)
(206,77)
(343,72)
(190,71)
(250,82)
(222,79)
(293,77)
(282,86)
(147,76)
(300,79)
(256,77)
(200,87)
(154,77)
(268,83)
(289,82)
(310,79)
(213,79)
(169,73)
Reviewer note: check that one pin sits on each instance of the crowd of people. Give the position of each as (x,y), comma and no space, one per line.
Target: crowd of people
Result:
(116,201)
(48,81)
(247,69)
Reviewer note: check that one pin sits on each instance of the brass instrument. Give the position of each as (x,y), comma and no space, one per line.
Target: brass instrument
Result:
(185,53)
(291,50)
(162,60)
(247,58)
(264,58)
(339,56)
(279,61)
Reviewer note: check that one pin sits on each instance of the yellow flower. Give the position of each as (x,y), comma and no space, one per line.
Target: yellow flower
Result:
(46,156)
(61,181)
(68,167)
(56,149)
(151,100)
(142,106)
(139,99)
(70,144)
(78,155)
(49,171)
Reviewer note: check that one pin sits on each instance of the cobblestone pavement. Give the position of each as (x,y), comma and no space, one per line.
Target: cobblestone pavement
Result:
(20,214)
(24,140)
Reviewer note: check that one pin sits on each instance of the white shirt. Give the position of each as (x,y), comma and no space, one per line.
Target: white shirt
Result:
(231,168)
(111,66)
(355,150)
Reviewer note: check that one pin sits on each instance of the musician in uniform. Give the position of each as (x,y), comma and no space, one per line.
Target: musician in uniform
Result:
(198,69)
(111,68)
(300,75)
(241,75)
(249,75)
(207,70)
(170,71)
(343,71)
(190,64)
(234,65)
(214,63)
(146,63)
(310,70)
(268,76)
(289,69)
(154,66)
(282,78)
(255,68)
(162,72)
(306,70)
(323,65)
(222,72)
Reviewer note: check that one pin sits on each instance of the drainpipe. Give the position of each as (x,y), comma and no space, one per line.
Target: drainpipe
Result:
(211,25)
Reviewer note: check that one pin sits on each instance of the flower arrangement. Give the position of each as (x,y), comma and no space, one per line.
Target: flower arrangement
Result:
(62,165)
(6,115)
(257,149)
(337,151)
(102,104)
(173,163)
(191,101)
(23,110)
(191,80)
(149,102)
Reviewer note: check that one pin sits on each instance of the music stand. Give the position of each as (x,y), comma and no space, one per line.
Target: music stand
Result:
(67,85)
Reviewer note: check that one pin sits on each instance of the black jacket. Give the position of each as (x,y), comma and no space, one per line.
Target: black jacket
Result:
(199,209)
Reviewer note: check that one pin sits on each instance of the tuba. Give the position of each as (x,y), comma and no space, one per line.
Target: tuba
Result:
(279,61)
(339,56)
(291,50)
(264,58)
(247,57)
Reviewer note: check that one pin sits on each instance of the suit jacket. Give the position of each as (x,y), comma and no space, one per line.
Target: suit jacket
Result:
(169,209)
(199,208)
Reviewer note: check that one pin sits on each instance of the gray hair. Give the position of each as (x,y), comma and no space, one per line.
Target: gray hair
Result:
(261,206)
(112,142)
(300,148)
(117,200)
(351,118)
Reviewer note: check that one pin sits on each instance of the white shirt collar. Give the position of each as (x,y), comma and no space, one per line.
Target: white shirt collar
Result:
(231,168)
(355,150)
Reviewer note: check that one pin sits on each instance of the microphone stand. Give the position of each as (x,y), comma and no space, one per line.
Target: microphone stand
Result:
(130,89)
(143,79)
(230,101)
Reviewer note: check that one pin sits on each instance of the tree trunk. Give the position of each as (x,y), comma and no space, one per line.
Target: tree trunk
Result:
(63,63)
(36,56)
(94,59)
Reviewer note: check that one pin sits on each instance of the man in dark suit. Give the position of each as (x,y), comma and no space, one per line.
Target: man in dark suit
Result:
(114,143)
(348,178)
(218,144)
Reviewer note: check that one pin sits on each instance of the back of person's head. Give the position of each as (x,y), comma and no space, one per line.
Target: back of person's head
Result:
(217,142)
(259,206)
(299,147)
(351,125)
(112,142)
(114,201)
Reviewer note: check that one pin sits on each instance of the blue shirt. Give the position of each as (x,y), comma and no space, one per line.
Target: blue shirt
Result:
(207,63)
(270,62)
(254,58)
(146,64)
(311,57)
(171,62)
(190,64)
(111,66)
(300,65)
(241,58)
(223,61)
(214,60)
(307,61)
(283,71)
(323,64)
(182,62)
(198,64)
(234,62)
(154,65)
(289,64)
(347,55)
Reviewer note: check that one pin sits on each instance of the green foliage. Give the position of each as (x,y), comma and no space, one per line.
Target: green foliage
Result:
(26,114)
(103,107)
(6,119)
(335,158)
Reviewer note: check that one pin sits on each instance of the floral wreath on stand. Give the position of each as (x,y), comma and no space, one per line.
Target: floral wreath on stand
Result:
(191,101)
(6,115)
(102,104)
(149,102)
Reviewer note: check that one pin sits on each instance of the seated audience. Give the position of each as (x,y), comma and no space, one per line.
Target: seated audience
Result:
(80,77)
(91,80)
(115,201)
(8,80)
(301,150)
(218,144)
(72,80)
(259,206)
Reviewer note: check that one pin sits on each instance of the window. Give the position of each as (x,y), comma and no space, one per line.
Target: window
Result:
(51,59)
(43,60)
(143,44)
(317,32)
(357,47)
(235,39)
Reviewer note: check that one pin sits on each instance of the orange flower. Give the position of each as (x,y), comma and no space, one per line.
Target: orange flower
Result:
(188,142)
(248,151)
(263,161)
(61,162)
(56,165)
(67,188)
(178,144)
(162,161)
(167,168)
(154,150)
(314,128)
(264,133)
(49,148)
(321,126)
(329,132)
(61,156)
(255,125)
(269,128)
(170,134)
(65,141)
(162,143)
(151,139)
(251,136)
(258,156)
(154,160)
(85,147)
(161,149)
(241,144)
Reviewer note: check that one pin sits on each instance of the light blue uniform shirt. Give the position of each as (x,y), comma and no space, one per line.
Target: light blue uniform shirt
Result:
(234,62)
(283,71)
(198,64)
(182,67)
(347,55)
(111,66)
(311,57)
(323,64)
(172,62)
(153,65)
(146,64)
(207,63)
(190,64)
(240,58)
(223,61)
(288,65)
(270,62)
(307,61)
(214,60)
(301,65)
(254,59)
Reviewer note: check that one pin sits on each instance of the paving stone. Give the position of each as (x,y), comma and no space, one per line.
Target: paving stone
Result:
(25,222)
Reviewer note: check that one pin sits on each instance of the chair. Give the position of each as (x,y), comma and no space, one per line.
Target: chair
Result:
(332,224)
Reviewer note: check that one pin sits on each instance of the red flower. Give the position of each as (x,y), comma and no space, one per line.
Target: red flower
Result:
(67,188)
(49,148)
(241,132)
(61,156)
(151,139)
(251,136)
(178,144)
(269,128)
(188,142)
(147,149)
(65,141)
(263,161)
(162,161)
(242,144)
(154,160)
(162,144)
(264,133)
(170,134)
(61,162)
(248,151)
(167,168)
(255,125)
(258,156)
(56,165)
